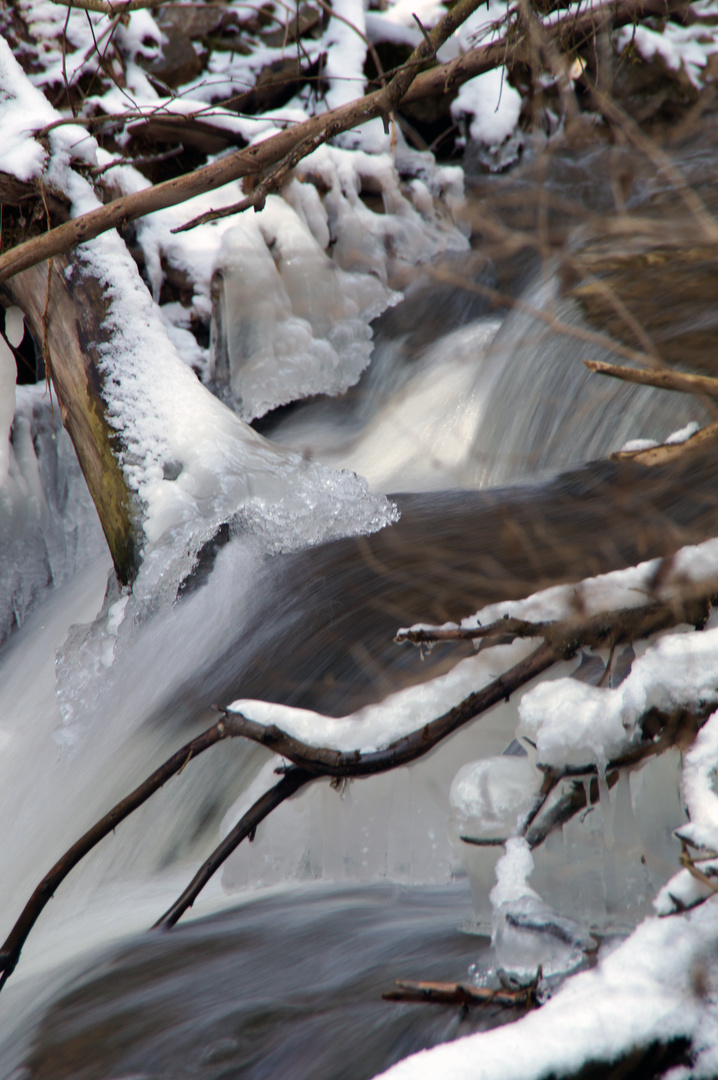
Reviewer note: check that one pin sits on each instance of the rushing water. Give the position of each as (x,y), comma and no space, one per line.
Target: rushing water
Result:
(287,981)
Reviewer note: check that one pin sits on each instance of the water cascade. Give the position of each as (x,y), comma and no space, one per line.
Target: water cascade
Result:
(461,400)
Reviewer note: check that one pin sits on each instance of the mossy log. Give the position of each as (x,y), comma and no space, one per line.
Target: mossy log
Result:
(65,308)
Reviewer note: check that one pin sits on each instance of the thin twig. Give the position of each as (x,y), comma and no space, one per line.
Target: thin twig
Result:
(387,100)
(438,80)
(110,7)
(666,379)
(291,782)
(465,994)
(595,631)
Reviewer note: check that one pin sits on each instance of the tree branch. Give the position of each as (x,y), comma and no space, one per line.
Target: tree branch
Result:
(110,7)
(292,780)
(311,762)
(665,379)
(12,946)
(443,79)
(607,627)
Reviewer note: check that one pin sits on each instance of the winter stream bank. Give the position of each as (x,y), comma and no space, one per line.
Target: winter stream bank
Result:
(341,891)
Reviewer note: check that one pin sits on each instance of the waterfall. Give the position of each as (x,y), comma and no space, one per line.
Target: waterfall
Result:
(486,398)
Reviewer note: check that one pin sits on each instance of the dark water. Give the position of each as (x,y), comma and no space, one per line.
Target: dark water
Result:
(287,985)
(290,985)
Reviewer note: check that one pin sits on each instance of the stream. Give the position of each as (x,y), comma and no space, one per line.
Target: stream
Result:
(280,969)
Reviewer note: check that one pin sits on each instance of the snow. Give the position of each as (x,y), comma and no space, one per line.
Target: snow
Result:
(191,462)
(681,48)
(376,726)
(571,722)
(642,990)
(488,797)
(492,107)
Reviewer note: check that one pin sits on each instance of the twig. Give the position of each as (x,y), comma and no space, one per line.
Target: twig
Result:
(681,381)
(606,628)
(448,993)
(292,781)
(670,452)
(687,860)
(312,762)
(110,7)
(387,100)
(506,300)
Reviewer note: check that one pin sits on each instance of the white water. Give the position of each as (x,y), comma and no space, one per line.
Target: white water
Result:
(129,701)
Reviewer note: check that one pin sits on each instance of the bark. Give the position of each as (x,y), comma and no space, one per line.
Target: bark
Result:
(64,308)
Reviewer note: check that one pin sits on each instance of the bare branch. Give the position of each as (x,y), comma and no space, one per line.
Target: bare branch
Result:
(292,781)
(670,452)
(443,993)
(110,7)
(12,947)
(312,762)
(665,379)
(597,631)
(442,79)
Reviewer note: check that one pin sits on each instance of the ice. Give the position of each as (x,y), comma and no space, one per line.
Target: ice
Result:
(299,283)
(48,523)
(527,935)
(296,323)
(643,990)
(489,797)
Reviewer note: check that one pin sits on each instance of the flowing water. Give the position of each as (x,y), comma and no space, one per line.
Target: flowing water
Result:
(281,970)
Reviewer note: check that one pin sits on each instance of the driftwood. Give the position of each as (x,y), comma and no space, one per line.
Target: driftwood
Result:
(312,762)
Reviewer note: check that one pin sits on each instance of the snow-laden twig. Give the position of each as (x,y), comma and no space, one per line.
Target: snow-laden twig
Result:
(437,81)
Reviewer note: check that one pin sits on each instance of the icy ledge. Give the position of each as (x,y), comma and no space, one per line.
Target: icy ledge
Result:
(189,460)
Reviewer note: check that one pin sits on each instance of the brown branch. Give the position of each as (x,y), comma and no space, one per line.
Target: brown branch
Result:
(664,380)
(448,993)
(110,7)
(596,631)
(12,946)
(325,761)
(443,79)
(312,762)
(669,452)
(386,102)
(292,781)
